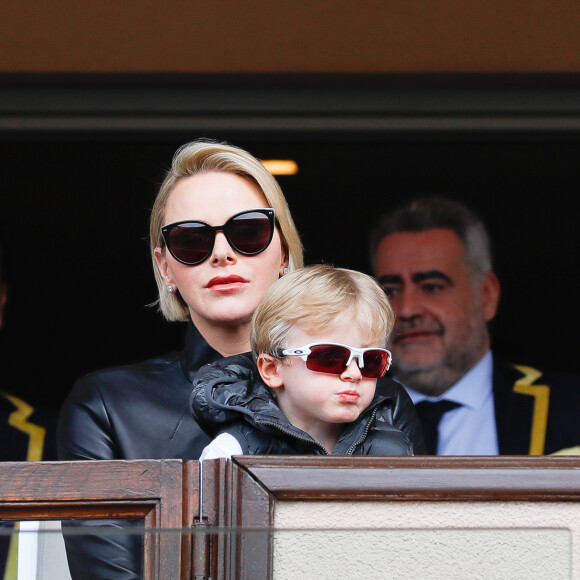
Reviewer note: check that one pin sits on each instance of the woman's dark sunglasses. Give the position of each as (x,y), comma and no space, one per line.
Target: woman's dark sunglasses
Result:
(334,358)
(248,232)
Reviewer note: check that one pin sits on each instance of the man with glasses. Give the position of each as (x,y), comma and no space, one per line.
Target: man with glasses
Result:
(432,258)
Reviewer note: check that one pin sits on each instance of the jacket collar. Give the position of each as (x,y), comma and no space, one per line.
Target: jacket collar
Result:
(196,352)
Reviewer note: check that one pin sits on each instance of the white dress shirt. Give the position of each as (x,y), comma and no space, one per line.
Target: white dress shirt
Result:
(469,429)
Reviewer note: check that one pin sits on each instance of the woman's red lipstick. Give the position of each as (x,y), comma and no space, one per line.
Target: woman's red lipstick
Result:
(225,283)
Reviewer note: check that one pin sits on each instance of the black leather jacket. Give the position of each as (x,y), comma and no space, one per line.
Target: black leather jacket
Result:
(230,395)
(138,411)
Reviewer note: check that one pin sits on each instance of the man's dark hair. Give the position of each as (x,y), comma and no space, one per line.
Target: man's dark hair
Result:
(428,213)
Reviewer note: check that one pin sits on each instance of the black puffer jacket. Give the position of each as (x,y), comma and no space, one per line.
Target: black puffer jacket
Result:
(229,397)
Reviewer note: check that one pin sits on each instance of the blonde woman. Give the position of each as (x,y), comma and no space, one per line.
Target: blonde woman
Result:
(221,234)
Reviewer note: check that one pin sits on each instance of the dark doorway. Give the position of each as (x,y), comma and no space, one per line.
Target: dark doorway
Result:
(74,212)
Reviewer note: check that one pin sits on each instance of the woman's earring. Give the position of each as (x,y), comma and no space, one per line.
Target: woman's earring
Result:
(285,271)
(170,289)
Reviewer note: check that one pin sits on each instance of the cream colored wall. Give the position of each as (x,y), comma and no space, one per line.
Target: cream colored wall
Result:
(435,540)
(303,36)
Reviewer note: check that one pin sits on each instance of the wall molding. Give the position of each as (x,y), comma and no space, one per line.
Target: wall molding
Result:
(293,103)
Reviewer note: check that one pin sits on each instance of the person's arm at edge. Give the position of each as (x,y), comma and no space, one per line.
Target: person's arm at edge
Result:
(84,433)
(83,430)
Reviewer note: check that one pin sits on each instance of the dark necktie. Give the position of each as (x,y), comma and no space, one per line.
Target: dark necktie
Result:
(430,414)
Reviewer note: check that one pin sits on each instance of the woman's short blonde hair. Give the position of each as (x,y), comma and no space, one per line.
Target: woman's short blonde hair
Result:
(314,298)
(202,156)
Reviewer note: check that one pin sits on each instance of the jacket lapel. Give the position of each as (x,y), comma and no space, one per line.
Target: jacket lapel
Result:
(521,409)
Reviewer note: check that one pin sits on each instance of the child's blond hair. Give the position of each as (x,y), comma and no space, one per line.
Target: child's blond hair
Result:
(314,297)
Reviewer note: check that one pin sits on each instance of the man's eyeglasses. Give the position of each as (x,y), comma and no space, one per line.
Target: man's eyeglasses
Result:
(334,358)
(248,232)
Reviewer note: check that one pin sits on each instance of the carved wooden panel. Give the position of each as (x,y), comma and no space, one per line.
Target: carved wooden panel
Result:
(144,489)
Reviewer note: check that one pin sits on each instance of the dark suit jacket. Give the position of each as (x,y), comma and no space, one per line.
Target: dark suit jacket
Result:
(537,412)
(27,433)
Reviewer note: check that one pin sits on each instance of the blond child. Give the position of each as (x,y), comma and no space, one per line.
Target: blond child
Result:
(318,341)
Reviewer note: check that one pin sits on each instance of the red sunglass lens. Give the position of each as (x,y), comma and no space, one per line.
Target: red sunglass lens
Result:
(376,364)
(327,359)
(332,359)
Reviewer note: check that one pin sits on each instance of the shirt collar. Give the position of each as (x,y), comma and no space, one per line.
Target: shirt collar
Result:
(471,390)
